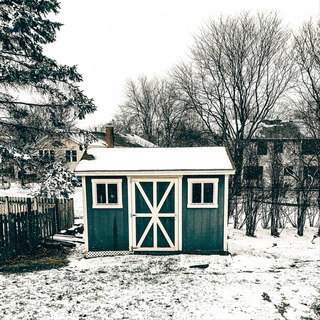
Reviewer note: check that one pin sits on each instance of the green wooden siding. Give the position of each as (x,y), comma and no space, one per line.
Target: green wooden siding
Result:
(202,229)
(107,228)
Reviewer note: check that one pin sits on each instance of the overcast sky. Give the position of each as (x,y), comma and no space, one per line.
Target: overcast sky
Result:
(115,40)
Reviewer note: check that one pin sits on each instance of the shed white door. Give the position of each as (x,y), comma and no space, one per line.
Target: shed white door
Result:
(155,214)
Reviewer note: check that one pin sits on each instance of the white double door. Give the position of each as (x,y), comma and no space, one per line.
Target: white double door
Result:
(155,214)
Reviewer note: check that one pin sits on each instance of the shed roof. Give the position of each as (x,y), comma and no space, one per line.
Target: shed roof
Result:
(108,161)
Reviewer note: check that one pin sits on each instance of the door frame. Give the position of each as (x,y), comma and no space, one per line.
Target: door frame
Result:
(178,214)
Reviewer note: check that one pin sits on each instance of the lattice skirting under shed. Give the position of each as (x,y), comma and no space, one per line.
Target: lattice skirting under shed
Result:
(96,254)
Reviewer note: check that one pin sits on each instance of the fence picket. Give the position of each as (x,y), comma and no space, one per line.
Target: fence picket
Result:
(6,232)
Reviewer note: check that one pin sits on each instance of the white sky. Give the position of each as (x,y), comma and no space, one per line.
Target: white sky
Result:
(112,41)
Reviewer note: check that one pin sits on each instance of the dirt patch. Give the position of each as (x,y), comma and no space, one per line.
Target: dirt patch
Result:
(43,258)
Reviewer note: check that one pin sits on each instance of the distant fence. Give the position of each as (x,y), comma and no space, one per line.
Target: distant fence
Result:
(25,222)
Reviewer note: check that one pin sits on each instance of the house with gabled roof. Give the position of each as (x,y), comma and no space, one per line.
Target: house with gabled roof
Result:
(71,149)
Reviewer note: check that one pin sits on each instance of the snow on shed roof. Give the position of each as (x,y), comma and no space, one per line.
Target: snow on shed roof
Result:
(110,160)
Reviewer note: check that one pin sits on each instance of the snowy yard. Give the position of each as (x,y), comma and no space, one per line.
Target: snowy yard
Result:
(266,278)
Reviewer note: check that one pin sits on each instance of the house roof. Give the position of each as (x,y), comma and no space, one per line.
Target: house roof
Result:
(277,129)
(125,140)
(112,161)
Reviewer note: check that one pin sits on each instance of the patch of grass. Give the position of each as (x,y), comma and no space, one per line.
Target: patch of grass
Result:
(43,258)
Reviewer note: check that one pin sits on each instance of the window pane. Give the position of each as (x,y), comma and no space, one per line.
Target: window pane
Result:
(52,155)
(101,193)
(278,146)
(262,147)
(253,172)
(74,155)
(68,155)
(208,193)
(309,146)
(112,193)
(196,193)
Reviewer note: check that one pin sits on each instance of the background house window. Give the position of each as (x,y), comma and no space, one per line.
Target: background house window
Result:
(253,172)
(203,193)
(68,156)
(107,193)
(310,147)
(51,155)
(262,147)
(278,147)
(74,156)
(47,154)
(71,156)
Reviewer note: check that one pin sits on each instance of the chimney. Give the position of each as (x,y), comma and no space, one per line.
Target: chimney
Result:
(109,135)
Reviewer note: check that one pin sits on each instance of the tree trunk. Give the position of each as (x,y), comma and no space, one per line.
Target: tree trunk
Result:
(274,220)
(236,184)
(302,217)
(238,162)
(22,177)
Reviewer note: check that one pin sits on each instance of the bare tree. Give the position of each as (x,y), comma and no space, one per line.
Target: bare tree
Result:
(170,113)
(306,56)
(140,109)
(154,110)
(238,75)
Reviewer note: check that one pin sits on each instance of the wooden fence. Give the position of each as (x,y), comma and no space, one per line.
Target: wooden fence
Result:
(25,222)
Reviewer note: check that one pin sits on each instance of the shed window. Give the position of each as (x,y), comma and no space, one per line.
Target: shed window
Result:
(107,193)
(203,193)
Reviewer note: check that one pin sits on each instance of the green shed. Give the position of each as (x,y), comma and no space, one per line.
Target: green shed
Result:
(155,199)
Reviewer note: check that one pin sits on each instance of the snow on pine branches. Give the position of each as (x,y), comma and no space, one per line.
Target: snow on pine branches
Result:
(58,182)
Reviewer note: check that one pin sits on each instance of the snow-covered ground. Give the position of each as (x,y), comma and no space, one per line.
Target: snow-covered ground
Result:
(266,278)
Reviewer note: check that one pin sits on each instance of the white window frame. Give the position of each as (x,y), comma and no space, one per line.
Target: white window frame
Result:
(95,204)
(215,182)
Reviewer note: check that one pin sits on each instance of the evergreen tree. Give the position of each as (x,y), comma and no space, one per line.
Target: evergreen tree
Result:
(38,96)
